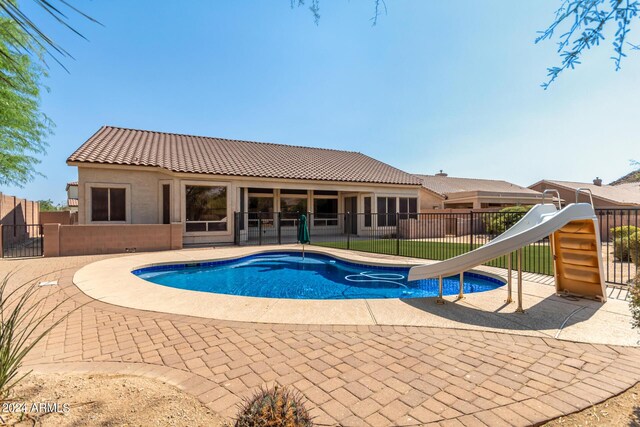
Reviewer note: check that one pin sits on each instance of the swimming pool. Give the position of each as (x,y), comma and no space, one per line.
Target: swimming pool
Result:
(317,276)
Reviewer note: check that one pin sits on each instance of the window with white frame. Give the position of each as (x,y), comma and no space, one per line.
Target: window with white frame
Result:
(325,208)
(206,208)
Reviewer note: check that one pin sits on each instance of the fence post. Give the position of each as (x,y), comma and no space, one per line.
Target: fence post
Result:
(259,229)
(41,237)
(397,234)
(279,229)
(236,228)
(347,220)
(472,226)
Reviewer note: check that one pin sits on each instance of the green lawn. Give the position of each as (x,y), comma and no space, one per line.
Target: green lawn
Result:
(536,259)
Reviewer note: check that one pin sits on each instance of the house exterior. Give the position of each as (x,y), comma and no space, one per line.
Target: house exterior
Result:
(604,196)
(442,191)
(128,176)
(72,196)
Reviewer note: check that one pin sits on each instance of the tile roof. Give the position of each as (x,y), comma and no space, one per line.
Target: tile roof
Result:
(632,186)
(72,202)
(198,154)
(613,193)
(446,185)
(628,178)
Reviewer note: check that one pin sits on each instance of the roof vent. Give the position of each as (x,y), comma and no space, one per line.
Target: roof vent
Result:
(597,182)
(441,173)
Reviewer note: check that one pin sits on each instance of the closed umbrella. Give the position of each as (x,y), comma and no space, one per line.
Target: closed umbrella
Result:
(303,232)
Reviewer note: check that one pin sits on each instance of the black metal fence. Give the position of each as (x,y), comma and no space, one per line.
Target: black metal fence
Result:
(25,240)
(620,234)
(435,236)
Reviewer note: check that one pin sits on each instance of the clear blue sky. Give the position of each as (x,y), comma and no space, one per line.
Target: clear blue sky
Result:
(435,85)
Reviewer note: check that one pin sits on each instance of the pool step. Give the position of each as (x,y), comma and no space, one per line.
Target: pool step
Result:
(577,260)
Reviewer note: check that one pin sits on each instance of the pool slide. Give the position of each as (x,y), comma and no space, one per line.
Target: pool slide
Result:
(574,240)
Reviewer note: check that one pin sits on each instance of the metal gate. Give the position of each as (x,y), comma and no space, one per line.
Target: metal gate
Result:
(20,241)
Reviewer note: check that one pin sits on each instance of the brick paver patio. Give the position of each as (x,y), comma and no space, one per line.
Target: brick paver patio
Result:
(352,375)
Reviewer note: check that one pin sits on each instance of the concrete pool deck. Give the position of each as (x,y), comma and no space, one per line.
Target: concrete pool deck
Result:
(546,314)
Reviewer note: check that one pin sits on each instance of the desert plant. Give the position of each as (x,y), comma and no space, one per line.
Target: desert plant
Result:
(499,222)
(275,407)
(22,325)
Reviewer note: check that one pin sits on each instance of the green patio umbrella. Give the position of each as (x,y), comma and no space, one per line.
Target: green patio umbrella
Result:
(303,232)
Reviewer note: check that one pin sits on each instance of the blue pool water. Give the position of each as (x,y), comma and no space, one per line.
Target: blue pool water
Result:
(288,275)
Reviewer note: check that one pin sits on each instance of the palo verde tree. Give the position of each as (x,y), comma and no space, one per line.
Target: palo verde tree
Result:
(581,25)
(24,47)
(23,127)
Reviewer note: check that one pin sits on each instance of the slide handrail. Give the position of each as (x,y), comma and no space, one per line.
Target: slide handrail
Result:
(551,190)
(583,189)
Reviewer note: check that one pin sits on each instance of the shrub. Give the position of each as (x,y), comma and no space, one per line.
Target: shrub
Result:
(625,248)
(275,407)
(499,222)
(634,248)
(22,326)
(624,231)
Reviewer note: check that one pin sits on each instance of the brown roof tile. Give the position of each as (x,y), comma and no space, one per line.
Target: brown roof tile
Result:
(614,193)
(198,154)
(446,185)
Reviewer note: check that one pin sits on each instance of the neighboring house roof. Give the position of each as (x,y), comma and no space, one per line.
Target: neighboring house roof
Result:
(631,186)
(71,184)
(631,177)
(445,186)
(610,193)
(72,203)
(206,155)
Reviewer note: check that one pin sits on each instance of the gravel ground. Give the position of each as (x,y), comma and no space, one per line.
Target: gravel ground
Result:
(104,400)
(622,410)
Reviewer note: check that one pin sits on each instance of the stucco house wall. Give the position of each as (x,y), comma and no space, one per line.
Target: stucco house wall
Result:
(144,186)
(429,200)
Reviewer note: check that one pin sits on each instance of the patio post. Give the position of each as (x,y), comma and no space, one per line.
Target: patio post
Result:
(461,293)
